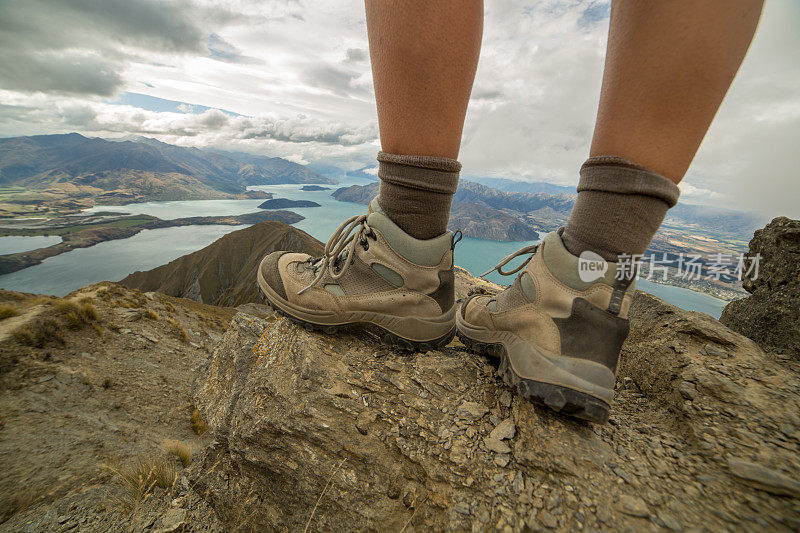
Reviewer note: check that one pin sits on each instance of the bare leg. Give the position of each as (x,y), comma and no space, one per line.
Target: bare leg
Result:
(424,55)
(668,67)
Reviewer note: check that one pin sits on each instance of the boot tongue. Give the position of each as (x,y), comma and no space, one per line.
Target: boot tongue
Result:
(421,252)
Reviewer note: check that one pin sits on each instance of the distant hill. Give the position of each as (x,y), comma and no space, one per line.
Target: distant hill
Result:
(478,221)
(74,166)
(469,212)
(329,169)
(716,220)
(505,184)
(224,272)
(261,170)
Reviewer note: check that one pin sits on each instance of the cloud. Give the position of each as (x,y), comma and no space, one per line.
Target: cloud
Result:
(60,72)
(334,79)
(293,78)
(697,194)
(356,55)
(83,46)
(206,127)
(222,50)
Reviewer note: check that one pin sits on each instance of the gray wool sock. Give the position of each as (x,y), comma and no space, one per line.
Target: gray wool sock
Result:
(416,192)
(620,207)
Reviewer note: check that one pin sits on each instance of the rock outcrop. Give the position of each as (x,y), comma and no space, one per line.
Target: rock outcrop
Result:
(336,433)
(771,315)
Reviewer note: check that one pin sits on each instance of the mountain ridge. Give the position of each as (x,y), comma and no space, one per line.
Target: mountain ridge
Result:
(224,272)
(60,170)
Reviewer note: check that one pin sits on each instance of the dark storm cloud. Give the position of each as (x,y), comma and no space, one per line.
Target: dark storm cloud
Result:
(67,72)
(81,46)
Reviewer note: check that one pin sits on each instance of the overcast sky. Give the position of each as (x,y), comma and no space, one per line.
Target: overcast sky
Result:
(292,78)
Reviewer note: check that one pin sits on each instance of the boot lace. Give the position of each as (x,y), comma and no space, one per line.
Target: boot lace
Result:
(338,253)
(504,261)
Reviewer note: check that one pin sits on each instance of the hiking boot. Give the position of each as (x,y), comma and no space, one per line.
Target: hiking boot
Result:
(371,274)
(558,328)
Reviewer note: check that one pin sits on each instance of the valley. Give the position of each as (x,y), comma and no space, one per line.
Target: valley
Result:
(92,192)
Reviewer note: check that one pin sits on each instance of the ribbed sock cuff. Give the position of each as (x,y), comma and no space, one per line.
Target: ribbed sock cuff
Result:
(423,172)
(615,174)
(620,207)
(416,192)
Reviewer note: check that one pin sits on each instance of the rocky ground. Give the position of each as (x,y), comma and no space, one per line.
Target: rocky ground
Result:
(336,433)
(105,396)
(88,396)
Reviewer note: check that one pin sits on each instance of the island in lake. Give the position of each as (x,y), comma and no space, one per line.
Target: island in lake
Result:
(284,203)
(314,188)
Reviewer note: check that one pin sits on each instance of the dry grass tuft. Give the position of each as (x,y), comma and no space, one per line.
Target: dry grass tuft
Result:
(68,314)
(179,330)
(132,300)
(39,332)
(180,450)
(6,311)
(199,425)
(141,477)
(152,315)
(77,314)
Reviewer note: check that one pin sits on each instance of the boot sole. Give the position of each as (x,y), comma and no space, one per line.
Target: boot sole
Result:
(366,321)
(559,397)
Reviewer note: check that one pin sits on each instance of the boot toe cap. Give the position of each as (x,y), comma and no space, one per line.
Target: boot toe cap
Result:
(270,272)
(475,312)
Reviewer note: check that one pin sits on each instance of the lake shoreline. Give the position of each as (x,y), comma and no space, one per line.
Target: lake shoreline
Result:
(114,260)
(91,236)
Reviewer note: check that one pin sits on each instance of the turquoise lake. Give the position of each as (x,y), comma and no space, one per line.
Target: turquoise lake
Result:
(113,260)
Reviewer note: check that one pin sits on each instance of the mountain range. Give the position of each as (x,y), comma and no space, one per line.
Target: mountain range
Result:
(478,211)
(62,170)
(543,211)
